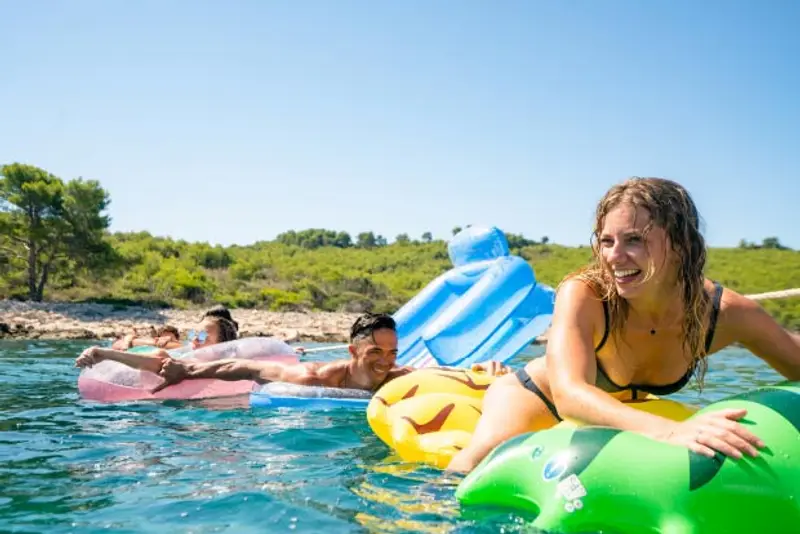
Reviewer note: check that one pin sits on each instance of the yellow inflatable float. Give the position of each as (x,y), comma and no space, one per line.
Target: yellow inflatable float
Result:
(429,415)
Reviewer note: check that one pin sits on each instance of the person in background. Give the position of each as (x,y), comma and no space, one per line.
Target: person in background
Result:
(165,337)
(222,312)
(373,353)
(216,326)
(168,337)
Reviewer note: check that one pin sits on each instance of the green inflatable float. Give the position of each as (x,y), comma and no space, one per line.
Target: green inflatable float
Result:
(597,479)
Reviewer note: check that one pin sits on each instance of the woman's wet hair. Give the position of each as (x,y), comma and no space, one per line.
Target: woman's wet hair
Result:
(365,325)
(221,316)
(222,312)
(671,208)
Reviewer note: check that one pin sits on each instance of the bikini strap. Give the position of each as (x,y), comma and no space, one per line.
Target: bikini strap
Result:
(605,332)
(715,305)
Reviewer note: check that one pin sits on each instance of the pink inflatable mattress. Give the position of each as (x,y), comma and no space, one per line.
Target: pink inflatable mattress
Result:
(110,381)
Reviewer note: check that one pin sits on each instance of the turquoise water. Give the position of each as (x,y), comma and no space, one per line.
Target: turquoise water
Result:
(216,466)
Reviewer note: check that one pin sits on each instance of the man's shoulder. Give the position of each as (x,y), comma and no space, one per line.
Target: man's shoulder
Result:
(399,371)
(328,373)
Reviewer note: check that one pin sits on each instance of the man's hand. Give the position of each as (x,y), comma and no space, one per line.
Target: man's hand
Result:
(89,357)
(492,367)
(172,371)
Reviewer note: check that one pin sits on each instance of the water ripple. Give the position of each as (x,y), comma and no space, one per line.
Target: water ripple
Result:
(218,466)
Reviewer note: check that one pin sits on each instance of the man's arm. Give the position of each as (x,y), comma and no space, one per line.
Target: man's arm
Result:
(174,371)
(234,369)
(148,362)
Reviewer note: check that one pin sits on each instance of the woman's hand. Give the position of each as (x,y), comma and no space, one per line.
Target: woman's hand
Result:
(715,431)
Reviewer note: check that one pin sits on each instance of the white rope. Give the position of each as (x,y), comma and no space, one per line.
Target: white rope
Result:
(786,293)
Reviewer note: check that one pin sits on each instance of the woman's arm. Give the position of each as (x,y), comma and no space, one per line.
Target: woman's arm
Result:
(129,341)
(572,366)
(167,342)
(163,342)
(759,333)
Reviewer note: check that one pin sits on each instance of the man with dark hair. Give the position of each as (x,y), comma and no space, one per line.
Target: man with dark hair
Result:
(373,351)
(367,323)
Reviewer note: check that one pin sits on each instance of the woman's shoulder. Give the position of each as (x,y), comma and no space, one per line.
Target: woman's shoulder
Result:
(579,299)
(579,289)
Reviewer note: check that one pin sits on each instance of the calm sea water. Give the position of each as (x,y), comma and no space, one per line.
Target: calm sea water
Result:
(72,466)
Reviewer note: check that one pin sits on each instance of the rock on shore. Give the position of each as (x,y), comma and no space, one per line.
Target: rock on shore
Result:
(63,320)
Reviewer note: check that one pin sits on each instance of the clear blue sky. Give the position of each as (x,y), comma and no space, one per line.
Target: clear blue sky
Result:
(230,122)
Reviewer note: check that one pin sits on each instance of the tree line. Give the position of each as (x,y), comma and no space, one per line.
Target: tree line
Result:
(314,238)
(55,243)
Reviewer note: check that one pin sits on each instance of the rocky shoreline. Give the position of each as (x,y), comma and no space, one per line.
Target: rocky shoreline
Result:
(64,320)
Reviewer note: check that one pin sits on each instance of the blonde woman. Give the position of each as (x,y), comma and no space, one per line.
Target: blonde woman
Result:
(642,317)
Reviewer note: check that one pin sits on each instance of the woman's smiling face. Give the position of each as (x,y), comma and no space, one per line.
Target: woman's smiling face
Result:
(629,251)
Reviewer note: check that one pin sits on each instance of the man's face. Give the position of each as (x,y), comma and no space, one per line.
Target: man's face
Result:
(376,355)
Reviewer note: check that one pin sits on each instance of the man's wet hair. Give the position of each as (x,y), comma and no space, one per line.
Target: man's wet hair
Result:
(366,325)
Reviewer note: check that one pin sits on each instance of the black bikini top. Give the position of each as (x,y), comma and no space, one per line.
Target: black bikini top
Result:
(606,384)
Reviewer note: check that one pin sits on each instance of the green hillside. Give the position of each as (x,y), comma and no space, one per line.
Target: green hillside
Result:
(278,276)
(55,245)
